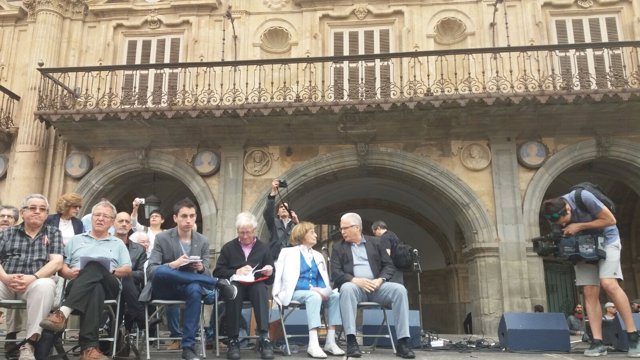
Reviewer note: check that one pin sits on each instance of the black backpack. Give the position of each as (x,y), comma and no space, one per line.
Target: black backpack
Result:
(402,256)
(596,190)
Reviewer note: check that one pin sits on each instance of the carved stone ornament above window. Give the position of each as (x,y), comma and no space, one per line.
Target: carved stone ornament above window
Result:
(585,3)
(450,30)
(361,12)
(275,40)
(276,4)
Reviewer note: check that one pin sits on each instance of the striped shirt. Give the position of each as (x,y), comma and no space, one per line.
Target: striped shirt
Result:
(21,254)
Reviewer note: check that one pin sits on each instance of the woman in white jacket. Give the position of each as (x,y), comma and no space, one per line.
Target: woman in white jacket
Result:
(301,275)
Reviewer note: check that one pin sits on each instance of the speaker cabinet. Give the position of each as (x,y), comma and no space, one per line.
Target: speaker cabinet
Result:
(534,332)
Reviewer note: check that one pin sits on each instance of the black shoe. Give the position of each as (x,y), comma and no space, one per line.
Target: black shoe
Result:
(353,350)
(233,349)
(189,354)
(227,290)
(265,347)
(11,347)
(404,348)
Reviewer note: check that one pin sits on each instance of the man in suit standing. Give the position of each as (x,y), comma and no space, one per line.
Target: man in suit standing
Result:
(361,268)
(179,269)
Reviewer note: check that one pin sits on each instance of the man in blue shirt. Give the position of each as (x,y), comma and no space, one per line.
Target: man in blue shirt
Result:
(595,219)
(91,283)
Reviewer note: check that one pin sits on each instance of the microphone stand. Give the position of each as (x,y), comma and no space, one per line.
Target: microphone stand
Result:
(418,269)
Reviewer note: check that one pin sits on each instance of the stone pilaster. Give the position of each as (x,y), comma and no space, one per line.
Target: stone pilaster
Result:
(231,179)
(29,159)
(509,224)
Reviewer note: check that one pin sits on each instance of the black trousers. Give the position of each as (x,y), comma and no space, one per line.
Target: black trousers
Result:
(257,294)
(86,295)
(133,309)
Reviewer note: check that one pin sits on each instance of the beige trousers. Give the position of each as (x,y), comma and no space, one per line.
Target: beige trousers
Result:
(39,295)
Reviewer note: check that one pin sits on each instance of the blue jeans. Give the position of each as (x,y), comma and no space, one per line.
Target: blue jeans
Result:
(173,284)
(313,303)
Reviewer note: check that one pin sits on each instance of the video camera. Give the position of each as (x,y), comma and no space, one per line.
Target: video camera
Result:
(580,247)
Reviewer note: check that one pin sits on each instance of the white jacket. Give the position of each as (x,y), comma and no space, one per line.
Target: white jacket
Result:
(287,273)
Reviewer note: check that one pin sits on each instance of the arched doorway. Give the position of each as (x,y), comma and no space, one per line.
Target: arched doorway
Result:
(426,205)
(616,167)
(125,177)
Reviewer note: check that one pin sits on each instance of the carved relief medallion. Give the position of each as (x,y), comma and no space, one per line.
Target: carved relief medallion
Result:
(257,162)
(77,165)
(206,162)
(532,154)
(475,156)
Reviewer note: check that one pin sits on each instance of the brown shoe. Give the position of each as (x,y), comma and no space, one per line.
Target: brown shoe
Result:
(92,353)
(175,345)
(56,322)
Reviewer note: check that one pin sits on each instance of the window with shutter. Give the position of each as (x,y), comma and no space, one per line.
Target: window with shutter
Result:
(369,79)
(154,86)
(592,68)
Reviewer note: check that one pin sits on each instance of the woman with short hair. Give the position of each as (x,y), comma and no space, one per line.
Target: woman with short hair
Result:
(306,280)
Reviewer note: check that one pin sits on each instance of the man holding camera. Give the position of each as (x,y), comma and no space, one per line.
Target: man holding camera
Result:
(595,219)
(179,269)
(279,226)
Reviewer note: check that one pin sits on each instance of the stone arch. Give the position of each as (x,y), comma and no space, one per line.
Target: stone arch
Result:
(623,151)
(466,206)
(104,177)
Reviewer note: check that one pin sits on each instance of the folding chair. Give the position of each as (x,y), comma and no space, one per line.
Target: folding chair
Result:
(285,311)
(109,304)
(368,305)
(245,305)
(159,308)
(14,305)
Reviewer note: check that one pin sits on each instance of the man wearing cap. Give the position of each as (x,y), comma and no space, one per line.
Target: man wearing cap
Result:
(609,312)
(594,218)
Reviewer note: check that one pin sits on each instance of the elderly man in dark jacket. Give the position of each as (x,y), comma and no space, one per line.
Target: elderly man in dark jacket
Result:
(132,284)
(361,268)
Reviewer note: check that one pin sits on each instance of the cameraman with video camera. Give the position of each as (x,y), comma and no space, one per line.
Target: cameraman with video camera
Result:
(279,224)
(594,217)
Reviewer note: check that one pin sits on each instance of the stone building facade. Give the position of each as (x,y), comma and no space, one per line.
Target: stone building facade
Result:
(124,99)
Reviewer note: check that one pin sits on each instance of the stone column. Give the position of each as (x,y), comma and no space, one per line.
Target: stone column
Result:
(231,179)
(509,224)
(29,158)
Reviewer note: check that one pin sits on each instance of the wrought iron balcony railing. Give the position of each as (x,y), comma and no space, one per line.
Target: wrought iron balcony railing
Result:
(8,102)
(383,78)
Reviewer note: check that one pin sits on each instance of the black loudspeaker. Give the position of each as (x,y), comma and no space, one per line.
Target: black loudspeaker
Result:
(372,318)
(614,332)
(534,332)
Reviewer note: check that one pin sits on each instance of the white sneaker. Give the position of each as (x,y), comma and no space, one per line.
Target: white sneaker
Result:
(333,349)
(26,352)
(316,352)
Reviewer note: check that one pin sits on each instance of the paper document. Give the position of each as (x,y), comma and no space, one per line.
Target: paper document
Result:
(246,278)
(104,261)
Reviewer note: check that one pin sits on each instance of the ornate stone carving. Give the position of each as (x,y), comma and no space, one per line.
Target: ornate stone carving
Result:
(585,3)
(532,154)
(65,8)
(77,165)
(206,162)
(257,162)
(361,12)
(276,4)
(475,156)
(152,20)
(450,30)
(275,39)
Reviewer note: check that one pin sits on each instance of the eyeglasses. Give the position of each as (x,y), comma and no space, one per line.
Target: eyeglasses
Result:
(246,233)
(5,216)
(77,206)
(345,228)
(34,208)
(102,216)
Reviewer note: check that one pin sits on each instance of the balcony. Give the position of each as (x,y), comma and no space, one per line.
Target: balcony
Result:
(333,99)
(8,101)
